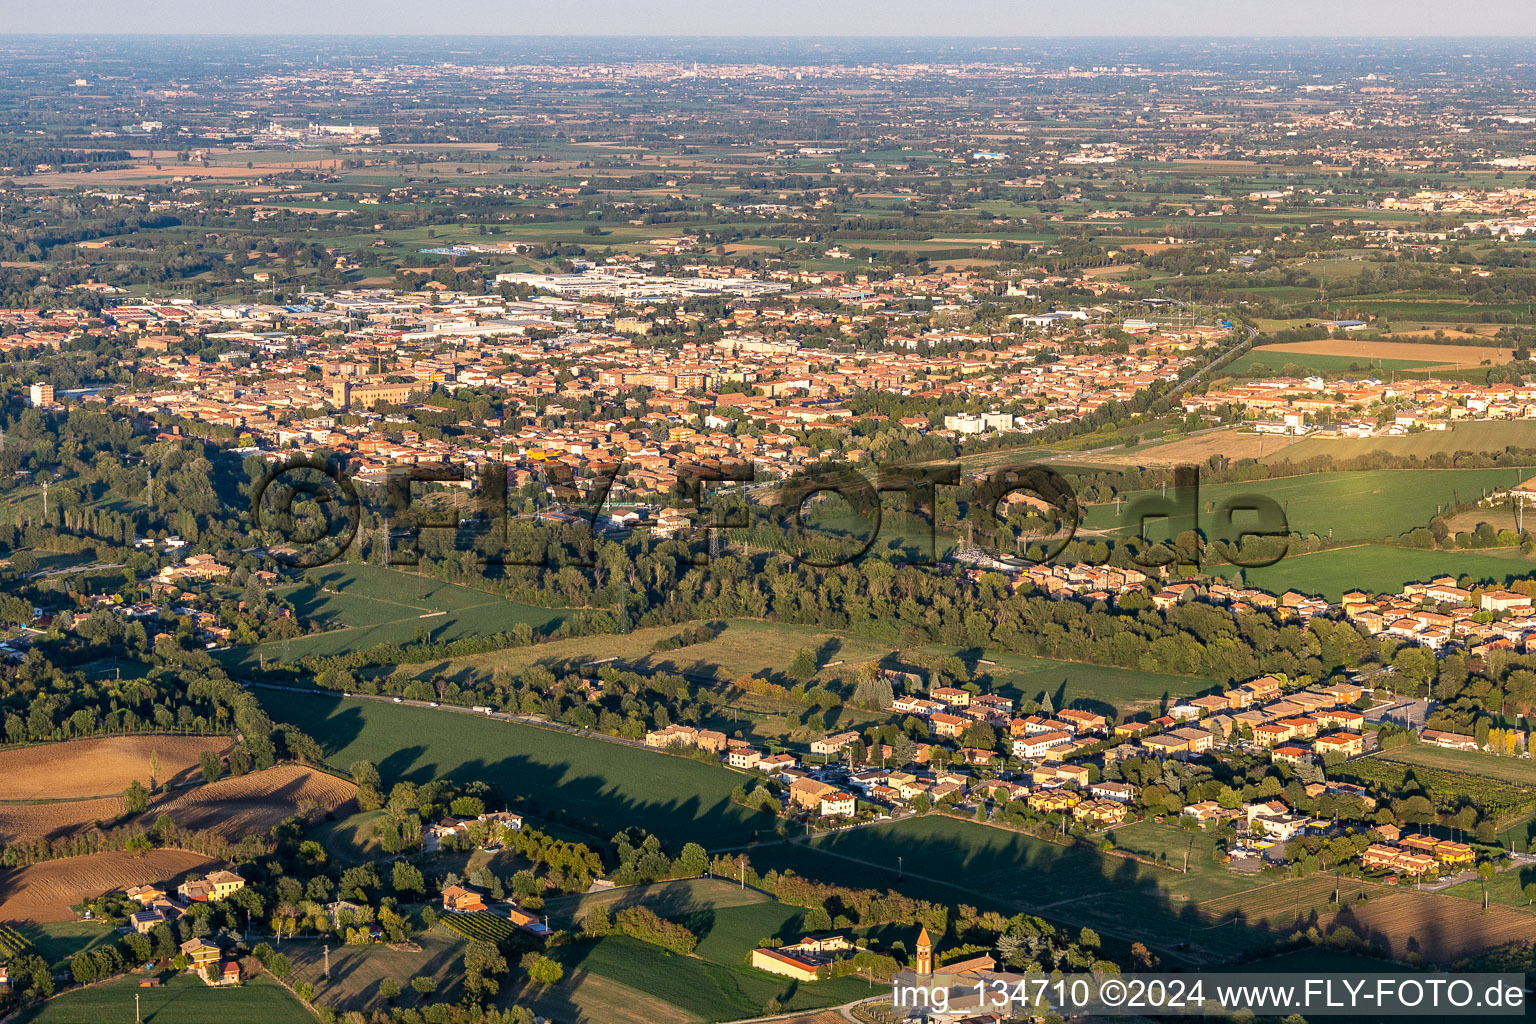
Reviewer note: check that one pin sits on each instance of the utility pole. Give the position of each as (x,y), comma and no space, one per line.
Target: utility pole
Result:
(136,1017)
(327,973)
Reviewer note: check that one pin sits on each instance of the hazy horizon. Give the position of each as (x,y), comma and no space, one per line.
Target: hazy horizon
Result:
(960,19)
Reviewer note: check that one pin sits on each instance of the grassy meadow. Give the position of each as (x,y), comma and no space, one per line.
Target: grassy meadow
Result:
(590,785)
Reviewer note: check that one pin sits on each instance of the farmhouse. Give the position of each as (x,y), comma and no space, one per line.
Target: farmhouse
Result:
(530,923)
(1448,740)
(199,954)
(803,960)
(145,920)
(462,900)
(216,886)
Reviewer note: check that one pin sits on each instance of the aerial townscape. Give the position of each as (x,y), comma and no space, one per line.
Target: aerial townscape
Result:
(613,530)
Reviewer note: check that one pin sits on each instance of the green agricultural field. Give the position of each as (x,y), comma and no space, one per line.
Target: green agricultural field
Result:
(348,840)
(181,1000)
(749,647)
(590,785)
(1351,506)
(1264,360)
(1072,684)
(1378,569)
(745,648)
(698,985)
(675,900)
(61,940)
(1479,436)
(956,861)
(1507,887)
(355,607)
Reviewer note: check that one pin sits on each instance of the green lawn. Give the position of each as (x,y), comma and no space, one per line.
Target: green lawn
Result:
(1073,684)
(709,990)
(1378,568)
(669,899)
(358,606)
(1351,506)
(587,784)
(181,1000)
(61,940)
(348,839)
(1507,887)
(1263,360)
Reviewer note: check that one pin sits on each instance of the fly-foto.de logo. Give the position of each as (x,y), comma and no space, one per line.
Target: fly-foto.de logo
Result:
(308,512)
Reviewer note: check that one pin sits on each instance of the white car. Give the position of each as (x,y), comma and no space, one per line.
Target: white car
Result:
(399,700)
(436,704)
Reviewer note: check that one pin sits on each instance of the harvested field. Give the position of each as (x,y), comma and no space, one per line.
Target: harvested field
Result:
(1439,928)
(1441,355)
(1188,450)
(22,822)
(100,767)
(249,804)
(43,893)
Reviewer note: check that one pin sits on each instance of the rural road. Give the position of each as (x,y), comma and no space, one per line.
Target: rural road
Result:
(845,1011)
(72,570)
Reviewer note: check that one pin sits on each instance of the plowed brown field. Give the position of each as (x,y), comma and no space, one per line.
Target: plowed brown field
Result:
(1439,928)
(44,892)
(102,766)
(56,820)
(253,803)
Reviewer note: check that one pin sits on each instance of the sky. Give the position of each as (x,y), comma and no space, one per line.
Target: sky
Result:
(1014,18)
